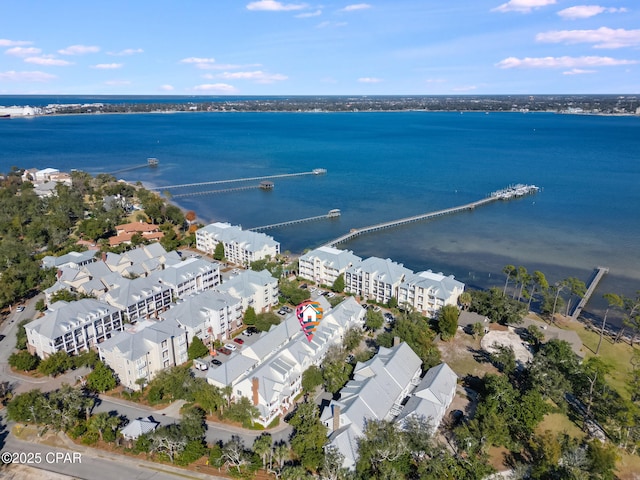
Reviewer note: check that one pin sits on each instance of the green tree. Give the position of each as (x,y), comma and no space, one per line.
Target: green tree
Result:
(373,320)
(504,358)
(55,364)
(448,321)
(24,361)
(577,288)
(538,283)
(311,378)
(102,422)
(218,253)
(101,379)
(208,396)
(338,284)
(262,447)
(509,271)
(613,301)
(382,451)
(465,299)
(197,349)
(309,435)
(250,316)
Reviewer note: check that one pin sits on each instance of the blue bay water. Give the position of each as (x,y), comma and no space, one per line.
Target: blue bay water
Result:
(384,166)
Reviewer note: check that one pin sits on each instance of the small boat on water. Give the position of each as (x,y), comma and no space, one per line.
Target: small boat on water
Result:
(152,162)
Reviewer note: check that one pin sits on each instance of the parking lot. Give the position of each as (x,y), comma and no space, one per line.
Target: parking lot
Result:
(211,361)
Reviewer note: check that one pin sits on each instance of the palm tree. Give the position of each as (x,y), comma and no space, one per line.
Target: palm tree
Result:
(559,286)
(508,270)
(465,300)
(613,301)
(540,281)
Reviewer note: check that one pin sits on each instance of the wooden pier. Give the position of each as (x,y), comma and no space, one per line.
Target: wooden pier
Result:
(316,171)
(598,273)
(213,192)
(499,195)
(335,213)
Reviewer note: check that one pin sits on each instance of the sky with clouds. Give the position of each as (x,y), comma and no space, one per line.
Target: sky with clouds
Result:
(291,47)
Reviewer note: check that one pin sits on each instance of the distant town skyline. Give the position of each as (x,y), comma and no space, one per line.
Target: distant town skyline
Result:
(269,47)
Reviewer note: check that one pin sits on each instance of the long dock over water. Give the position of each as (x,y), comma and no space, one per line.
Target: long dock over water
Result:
(316,171)
(332,214)
(514,191)
(213,192)
(598,273)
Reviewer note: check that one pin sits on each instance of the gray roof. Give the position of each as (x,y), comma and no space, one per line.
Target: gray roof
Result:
(193,310)
(178,273)
(133,344)
(386,270)
(250,240)
(433,395)
(124,292)
(247,283)
(442,286)
(63,317)
(71,257)
(139,427)
(333,257)
(231,370)
(467,319)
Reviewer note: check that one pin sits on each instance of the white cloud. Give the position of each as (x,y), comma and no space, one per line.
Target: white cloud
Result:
(4,42)
(355,6)
(107,66)
(167,88)
(258,76)
(273,6)
(331,24)
(199,62)
(36,76)
(126,52)
(309,14)
(468,88)
(215,88)
(117,83)
(586,11)
(48,61)
(524,6)
(578,71)
(369,80)
(603,37)
(23,51)
(79,50)
(562,62)
(225,66)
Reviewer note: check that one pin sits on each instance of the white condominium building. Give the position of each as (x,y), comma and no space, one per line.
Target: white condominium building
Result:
(73,327)
(375,279)
(142,351)
(427,292)
(240,246)
(256,289)
(323,265)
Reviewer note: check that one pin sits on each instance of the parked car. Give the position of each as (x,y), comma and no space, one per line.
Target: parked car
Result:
(216,362)
(330,294)
(231,346)
(20,308)
(282,312)
(239,341)
(200,365)
(287,309)
(224,351)
(247,333)
(252,330)
(304,285)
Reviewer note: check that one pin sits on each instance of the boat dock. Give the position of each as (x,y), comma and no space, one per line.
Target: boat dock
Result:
(335,213)
(598,273)
(316,171)
(151,162)
(504,194)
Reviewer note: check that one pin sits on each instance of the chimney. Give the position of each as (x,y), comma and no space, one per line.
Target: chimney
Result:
(336,417)
(59,274)
(104,256)
(255,384)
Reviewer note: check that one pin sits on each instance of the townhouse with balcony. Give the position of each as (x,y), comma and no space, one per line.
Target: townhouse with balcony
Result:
(72,327)
(324,264)
(377,392)
(256,289)
(141,261)
(241,247)
(137,354)
(427,292)
(375,279)
(209,315)
(269,372)
(191,276)
(140,298)
(72,259)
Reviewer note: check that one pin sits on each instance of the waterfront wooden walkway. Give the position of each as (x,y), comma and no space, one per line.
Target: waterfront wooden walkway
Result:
(332,214)
(599,272)
(317,171)
(135,167)
(499,195)
(213,192)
